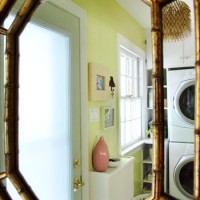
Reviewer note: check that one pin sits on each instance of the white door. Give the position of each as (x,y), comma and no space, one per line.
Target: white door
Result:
(50,105)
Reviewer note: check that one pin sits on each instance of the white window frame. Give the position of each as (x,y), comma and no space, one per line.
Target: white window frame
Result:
(127,46)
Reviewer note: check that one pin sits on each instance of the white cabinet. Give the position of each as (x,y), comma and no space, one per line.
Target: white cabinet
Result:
(189,50)
(180,53)
(149,59)
(175,54)
(115,183)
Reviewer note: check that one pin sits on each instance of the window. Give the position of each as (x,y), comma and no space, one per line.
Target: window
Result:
(130,97)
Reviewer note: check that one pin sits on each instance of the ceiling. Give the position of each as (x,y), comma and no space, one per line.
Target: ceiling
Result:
(141,12)
(138,10)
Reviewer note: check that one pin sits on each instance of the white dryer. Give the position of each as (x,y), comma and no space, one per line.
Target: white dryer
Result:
(181,163)
(181,97)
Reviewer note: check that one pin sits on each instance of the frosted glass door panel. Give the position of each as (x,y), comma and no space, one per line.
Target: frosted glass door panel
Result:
(44,110)
(50,104)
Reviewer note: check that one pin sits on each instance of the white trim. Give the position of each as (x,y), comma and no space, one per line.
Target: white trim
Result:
(133,148)
(128,45)
(81,14)
(122,41)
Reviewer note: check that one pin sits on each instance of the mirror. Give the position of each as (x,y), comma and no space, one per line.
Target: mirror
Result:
(11,97)
(12,168)
(52,89)
(158,118)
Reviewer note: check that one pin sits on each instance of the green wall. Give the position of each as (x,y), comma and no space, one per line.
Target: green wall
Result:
(138,172)
(138,155)
(105,19)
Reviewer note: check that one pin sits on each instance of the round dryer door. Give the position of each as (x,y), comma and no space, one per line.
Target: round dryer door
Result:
(183,175)
(184,101)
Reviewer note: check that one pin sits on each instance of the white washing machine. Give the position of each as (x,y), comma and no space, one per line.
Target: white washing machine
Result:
(181,100)
(181,163)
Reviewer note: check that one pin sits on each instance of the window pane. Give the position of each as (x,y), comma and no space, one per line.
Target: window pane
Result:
(128,129)
(135,91)
(122,110)
(123,85)
(136,108)
(129,67)
(135,69)
(137,126)
(130,102)
(128,109)
(122,134)
(123,65)
(129,86)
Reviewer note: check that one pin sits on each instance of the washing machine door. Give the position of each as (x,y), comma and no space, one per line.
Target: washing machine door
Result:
(183,175)
(184,101)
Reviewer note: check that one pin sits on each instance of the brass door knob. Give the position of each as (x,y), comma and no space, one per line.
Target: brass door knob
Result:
(78,184)
(76,163)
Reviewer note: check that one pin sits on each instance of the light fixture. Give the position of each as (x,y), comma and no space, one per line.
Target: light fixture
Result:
(176,21)
(112,85)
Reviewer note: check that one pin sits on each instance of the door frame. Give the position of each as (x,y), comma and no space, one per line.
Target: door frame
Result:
(81,14)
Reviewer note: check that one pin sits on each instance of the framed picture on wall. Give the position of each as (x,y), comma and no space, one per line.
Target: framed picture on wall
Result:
(98,82)
(108,117)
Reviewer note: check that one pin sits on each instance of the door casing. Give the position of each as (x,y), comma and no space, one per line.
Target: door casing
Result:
(81,14)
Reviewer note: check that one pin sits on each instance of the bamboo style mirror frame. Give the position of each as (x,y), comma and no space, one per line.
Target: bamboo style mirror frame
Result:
(11,98)
(158,91)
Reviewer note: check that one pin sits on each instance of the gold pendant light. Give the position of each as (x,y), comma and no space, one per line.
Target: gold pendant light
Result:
(176,21)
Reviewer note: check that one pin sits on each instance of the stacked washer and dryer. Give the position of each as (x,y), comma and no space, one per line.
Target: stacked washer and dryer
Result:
(181,97)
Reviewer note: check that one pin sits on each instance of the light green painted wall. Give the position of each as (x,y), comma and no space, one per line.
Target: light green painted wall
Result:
(138,172)
(138,155)
(105,18)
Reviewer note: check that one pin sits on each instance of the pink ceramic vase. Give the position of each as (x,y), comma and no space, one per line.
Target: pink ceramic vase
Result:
(100,156)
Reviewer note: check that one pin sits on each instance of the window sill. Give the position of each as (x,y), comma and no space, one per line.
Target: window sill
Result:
(131,149)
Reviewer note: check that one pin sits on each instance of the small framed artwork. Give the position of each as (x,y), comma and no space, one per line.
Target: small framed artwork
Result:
(98,82)
(108,117)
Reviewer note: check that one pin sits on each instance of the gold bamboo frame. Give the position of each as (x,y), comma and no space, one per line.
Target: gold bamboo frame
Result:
(11,98)
(197,103)
(158,91)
